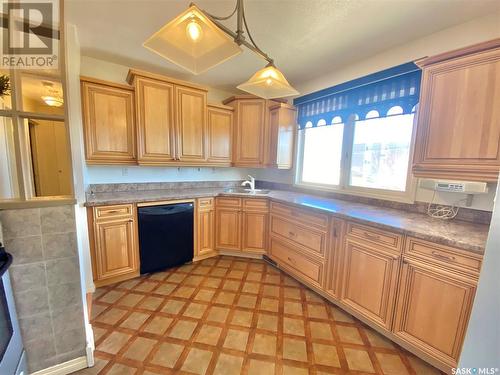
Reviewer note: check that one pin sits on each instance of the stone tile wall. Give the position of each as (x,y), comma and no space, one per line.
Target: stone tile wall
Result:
(45,277)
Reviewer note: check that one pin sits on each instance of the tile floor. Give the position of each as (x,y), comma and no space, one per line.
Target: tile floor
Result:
(229,316)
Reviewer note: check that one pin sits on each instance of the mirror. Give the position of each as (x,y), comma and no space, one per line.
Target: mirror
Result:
(9,186)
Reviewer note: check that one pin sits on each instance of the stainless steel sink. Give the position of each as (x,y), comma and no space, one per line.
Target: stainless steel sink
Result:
(246,191)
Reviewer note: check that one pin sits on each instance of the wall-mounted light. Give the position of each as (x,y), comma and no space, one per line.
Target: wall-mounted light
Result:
(51,95)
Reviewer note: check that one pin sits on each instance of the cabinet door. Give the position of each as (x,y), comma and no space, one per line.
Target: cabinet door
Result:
(458,132)
(443,301)
(191,105)
(116,252)
(369,281)
(109,125)
(254,228)
(334,256)
(228,229)
(220,129)
(206,227)
(155,121)
(282,126)
(249,133)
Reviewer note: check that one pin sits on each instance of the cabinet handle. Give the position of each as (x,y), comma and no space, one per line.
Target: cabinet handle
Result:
(372,237)
(291,234)
(113,211)
(291,260)
(443,257)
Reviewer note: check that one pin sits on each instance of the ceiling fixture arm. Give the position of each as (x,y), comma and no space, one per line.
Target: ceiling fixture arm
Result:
(242,25)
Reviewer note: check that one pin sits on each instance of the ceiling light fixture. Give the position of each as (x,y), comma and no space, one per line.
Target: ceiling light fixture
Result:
(197,41)
(51,95)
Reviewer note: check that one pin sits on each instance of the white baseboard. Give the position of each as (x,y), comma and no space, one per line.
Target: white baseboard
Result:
(65,368)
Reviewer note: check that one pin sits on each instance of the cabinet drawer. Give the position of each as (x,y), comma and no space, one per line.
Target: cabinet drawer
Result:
(297,263)
(229,202)
(312,240)
(255,204)
(443,255)
(377,236)
(315,220)
(111,212)
(205,203)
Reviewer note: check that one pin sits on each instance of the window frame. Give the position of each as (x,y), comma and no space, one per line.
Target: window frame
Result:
(22,148)
(407,196)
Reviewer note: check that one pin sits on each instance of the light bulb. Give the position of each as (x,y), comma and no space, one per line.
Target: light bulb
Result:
(193,30)
(269,81)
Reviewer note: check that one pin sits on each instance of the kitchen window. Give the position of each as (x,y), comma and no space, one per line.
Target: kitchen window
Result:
(365,148)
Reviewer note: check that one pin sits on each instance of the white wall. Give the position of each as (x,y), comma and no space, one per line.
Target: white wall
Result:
(475,31)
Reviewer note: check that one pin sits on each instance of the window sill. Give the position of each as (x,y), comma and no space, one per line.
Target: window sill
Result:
(403,197)
(37,203)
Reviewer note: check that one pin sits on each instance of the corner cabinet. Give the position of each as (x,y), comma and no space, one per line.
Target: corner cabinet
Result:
(458,132)
(219,134)
(205,229)
(264,132)
(109,122)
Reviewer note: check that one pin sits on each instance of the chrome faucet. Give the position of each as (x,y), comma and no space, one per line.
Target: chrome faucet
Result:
(250,182)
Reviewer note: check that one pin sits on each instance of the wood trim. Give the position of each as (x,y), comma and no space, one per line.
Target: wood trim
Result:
(133,73)
(249,97)
(220,106)
(476,48)
(98,81)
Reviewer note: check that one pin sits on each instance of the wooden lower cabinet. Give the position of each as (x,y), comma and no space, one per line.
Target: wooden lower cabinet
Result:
(228,229)
(254,232)
(370,281)
(433,309)
(205,229)
(334,258)
(114,246)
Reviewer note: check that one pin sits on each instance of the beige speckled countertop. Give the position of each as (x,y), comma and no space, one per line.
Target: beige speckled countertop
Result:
(459,234)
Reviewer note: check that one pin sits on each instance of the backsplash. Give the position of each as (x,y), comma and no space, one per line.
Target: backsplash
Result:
(46,282)
(465,214)
(109,188)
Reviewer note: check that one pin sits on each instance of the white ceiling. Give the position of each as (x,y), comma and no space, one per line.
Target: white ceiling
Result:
(306,38)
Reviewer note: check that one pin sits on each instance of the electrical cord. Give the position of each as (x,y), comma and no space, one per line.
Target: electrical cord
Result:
(441,211)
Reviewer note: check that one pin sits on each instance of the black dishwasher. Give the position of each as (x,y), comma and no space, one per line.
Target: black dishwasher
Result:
(165,236)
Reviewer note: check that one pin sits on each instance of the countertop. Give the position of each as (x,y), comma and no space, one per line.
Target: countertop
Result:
(460,234)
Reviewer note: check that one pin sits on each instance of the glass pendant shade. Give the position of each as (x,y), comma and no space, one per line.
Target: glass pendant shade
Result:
(268,83)
(193,41)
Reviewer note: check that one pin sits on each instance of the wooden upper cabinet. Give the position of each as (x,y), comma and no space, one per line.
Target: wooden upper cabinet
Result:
(219,134)
(191,112)
(282,129)
(155,121)
(109,123)
(458,132)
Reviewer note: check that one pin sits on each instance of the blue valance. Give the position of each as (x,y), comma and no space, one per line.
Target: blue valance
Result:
(397,86)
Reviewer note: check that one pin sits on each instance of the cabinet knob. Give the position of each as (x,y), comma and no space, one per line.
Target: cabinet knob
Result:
(291,234)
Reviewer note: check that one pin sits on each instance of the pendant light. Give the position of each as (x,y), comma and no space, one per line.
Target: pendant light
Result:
(198,41)
(51,95)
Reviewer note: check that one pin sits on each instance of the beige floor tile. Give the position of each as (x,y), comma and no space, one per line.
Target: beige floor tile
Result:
(269,304)
(317,311)
(130,300)
(114,342)
(236,339)
(250,287)
(242,318)
(139,349)
(201,270)
(184,292)
(176,277)
(291,293)
(97,310)
(293,326)
(212,282)
(421,367)
(378,340)
(134,320)
(271,291)
(159,276)
(217,314)
(391,364)
(254,276)
(228,364)
(264,344)
(358,360)
(257,367)
(313,297)
(272,279)
(111,297)
(267,322)
(225,298)
(294,349)
(340,315)
(129,284)
(235,274)
(158,325)
(204,295)
(193,280)
(209,334)
(197,361)
(112,316)
(349,334)
(232,285)
(150,303)
(195,310)
(247,301)
(240,265)
(290,370)
(167,355)
(326,355)
(98,332)
(320,330)
(173,307)
(183,329)
(293,308)
(120,369)
(165,289)
(146,286)
(219,272)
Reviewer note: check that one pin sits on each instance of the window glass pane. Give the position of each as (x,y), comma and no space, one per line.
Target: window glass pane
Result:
(9,186)
(5,90)
(50,157)
(381,151)
(42,94)
(322,154)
